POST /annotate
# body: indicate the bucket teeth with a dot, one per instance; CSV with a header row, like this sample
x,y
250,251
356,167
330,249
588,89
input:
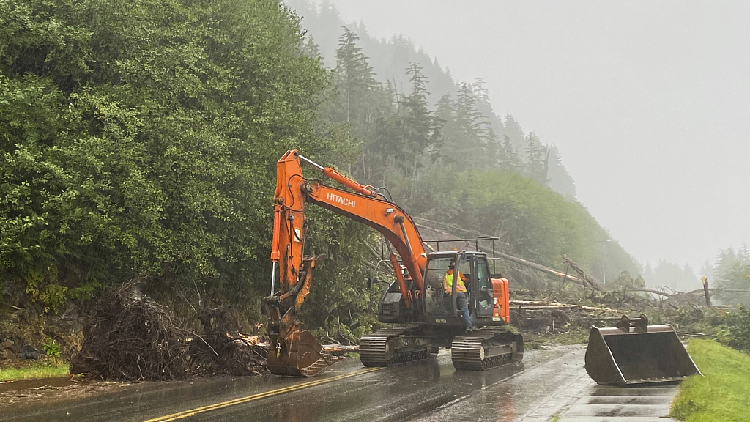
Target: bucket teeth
x,y
302,356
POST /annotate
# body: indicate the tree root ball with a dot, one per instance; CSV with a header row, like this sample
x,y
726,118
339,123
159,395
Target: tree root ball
x,y
131,337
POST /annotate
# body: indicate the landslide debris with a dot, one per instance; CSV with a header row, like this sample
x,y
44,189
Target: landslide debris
x,y
131,337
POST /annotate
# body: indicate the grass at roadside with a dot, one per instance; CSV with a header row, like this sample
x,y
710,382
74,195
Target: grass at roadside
x,y
722,393
34,371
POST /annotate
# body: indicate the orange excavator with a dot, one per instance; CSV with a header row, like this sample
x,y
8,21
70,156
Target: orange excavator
x,y
427,315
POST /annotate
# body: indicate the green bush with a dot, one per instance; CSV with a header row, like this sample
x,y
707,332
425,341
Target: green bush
x,y
52,349
736,330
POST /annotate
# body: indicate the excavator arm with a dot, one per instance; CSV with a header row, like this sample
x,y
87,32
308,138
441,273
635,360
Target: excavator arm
x,y
293,351
383,216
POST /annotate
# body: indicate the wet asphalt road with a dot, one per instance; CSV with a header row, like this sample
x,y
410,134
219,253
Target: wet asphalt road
x,y
634,403
545,382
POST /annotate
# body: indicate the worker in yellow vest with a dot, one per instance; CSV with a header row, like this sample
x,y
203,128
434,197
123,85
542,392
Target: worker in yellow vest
x,y
462,303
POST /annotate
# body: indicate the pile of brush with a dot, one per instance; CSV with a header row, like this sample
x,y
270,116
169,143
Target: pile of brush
x,y
131,337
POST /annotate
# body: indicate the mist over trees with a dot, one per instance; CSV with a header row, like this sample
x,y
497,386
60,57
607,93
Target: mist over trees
x,y
732,273
455,161
668,274
729,275
388,59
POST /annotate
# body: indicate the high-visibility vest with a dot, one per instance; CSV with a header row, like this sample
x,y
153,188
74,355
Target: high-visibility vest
x,y
448,282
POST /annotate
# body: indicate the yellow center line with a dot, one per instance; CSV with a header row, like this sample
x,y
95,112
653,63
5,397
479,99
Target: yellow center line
x,y
216,406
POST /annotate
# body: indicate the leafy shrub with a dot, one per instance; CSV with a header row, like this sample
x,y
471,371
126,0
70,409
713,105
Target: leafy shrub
x,y
52,349
736,331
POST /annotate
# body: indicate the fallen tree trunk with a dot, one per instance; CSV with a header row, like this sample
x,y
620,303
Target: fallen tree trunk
x,y
656,292
527,304
692,292
541,268
583,279
339,349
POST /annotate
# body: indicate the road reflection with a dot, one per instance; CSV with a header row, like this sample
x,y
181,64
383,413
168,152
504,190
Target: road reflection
x,y
430,390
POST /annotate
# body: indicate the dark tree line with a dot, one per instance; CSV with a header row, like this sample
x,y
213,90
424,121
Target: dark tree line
x,y
139,140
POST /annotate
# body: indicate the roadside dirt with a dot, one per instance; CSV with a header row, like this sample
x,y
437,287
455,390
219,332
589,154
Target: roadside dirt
x,y
24,393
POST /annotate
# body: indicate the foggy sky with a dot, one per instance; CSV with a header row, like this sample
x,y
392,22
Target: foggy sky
x,y
648,103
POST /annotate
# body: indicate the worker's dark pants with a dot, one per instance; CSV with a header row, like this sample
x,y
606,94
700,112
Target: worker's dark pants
x,y
463,305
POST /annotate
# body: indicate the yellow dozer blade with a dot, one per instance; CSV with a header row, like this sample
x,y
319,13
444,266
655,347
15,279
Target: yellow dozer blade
x,y
635,352
299,354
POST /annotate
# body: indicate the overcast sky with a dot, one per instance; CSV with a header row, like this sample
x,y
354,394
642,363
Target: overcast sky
x,y
648,103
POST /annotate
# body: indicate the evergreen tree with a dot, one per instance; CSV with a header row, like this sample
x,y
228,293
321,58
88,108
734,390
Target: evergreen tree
x,y
733,273
559,179
515,134
310,48
465,134
537,159
356,82
420,123
507,156
361,102
494,125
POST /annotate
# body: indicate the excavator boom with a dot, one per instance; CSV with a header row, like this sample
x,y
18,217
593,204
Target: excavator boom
x,y
293,351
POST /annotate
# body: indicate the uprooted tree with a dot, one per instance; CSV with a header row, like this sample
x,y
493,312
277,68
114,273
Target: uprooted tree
x,y
131,337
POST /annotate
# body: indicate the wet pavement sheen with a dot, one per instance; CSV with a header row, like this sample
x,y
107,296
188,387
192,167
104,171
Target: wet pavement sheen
x,y
638,403
548,383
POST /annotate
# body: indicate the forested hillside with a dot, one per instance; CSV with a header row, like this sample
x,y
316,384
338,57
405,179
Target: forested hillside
x,y
139,140
388,59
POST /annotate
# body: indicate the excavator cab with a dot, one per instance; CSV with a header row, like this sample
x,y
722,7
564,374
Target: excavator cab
x,y
490,343
438,302
440,305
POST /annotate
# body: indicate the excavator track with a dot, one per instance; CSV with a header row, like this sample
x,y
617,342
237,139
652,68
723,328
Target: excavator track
x,y
391,346
485,349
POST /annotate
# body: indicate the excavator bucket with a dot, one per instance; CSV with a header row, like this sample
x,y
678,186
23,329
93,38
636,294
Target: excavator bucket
x,y
299,355
635,352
